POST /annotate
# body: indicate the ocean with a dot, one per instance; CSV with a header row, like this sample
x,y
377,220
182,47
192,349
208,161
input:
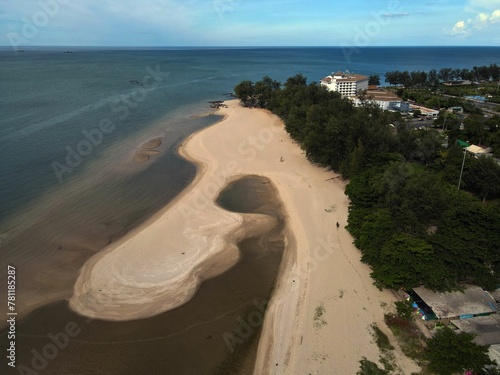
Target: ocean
x,y
72,120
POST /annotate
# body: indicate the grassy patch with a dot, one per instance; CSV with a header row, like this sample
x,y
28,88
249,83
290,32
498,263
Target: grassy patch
x,y
319,321
369,368
386,357
410,339
381,339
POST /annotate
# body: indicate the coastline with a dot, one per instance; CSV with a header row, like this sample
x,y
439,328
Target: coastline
x,y
107,287
51,236
147,272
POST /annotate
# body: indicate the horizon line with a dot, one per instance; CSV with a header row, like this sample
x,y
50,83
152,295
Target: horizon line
x,y
256,46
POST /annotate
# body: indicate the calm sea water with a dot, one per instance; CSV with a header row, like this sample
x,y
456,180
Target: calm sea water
x,y
48,99
70,124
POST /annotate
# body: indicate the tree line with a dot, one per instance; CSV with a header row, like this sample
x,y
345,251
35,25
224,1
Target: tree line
x,y
407,216
433,77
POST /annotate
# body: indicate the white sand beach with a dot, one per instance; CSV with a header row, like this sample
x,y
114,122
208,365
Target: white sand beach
x,y
318,320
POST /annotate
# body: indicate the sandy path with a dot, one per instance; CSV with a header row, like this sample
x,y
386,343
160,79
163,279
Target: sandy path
x,y
319,316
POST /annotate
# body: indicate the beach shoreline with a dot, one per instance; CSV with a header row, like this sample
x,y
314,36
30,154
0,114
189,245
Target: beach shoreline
x,y
97,275
147,272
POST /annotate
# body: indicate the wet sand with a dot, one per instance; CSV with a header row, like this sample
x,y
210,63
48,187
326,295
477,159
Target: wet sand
x,y
52,237
147,150
214,333
152,144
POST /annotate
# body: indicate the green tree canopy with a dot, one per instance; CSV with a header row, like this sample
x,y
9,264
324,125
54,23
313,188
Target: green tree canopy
x,y
406,215
374,80
407,261
483,177
449,353
245,91
265,90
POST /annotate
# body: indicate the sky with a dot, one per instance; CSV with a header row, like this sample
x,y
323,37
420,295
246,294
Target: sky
x,y
361,23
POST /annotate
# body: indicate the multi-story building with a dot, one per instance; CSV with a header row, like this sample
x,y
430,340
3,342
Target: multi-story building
x,y
347,84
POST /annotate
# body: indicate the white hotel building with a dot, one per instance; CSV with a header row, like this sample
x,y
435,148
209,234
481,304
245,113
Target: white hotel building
x,y
347,84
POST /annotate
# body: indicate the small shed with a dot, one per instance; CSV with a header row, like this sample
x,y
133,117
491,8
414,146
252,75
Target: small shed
x,y
456,110
477,150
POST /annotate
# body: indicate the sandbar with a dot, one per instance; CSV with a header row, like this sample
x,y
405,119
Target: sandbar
x,y
147,150
160,264
152,144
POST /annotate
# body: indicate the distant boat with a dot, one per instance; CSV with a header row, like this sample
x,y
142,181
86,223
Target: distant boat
x,y
68,51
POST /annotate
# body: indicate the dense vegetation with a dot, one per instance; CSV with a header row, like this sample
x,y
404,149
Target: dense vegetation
x,y
449,353
427,88
432,99
433,77
412,224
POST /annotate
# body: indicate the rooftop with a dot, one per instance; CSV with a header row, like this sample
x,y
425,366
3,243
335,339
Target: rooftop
x,y
344,77
473,149
472,301
487,328
382,96
496,294
494,352
424,110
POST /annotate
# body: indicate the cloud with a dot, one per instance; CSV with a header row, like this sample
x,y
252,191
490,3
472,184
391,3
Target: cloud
x,y
484,19
479,22
495,16
460,28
